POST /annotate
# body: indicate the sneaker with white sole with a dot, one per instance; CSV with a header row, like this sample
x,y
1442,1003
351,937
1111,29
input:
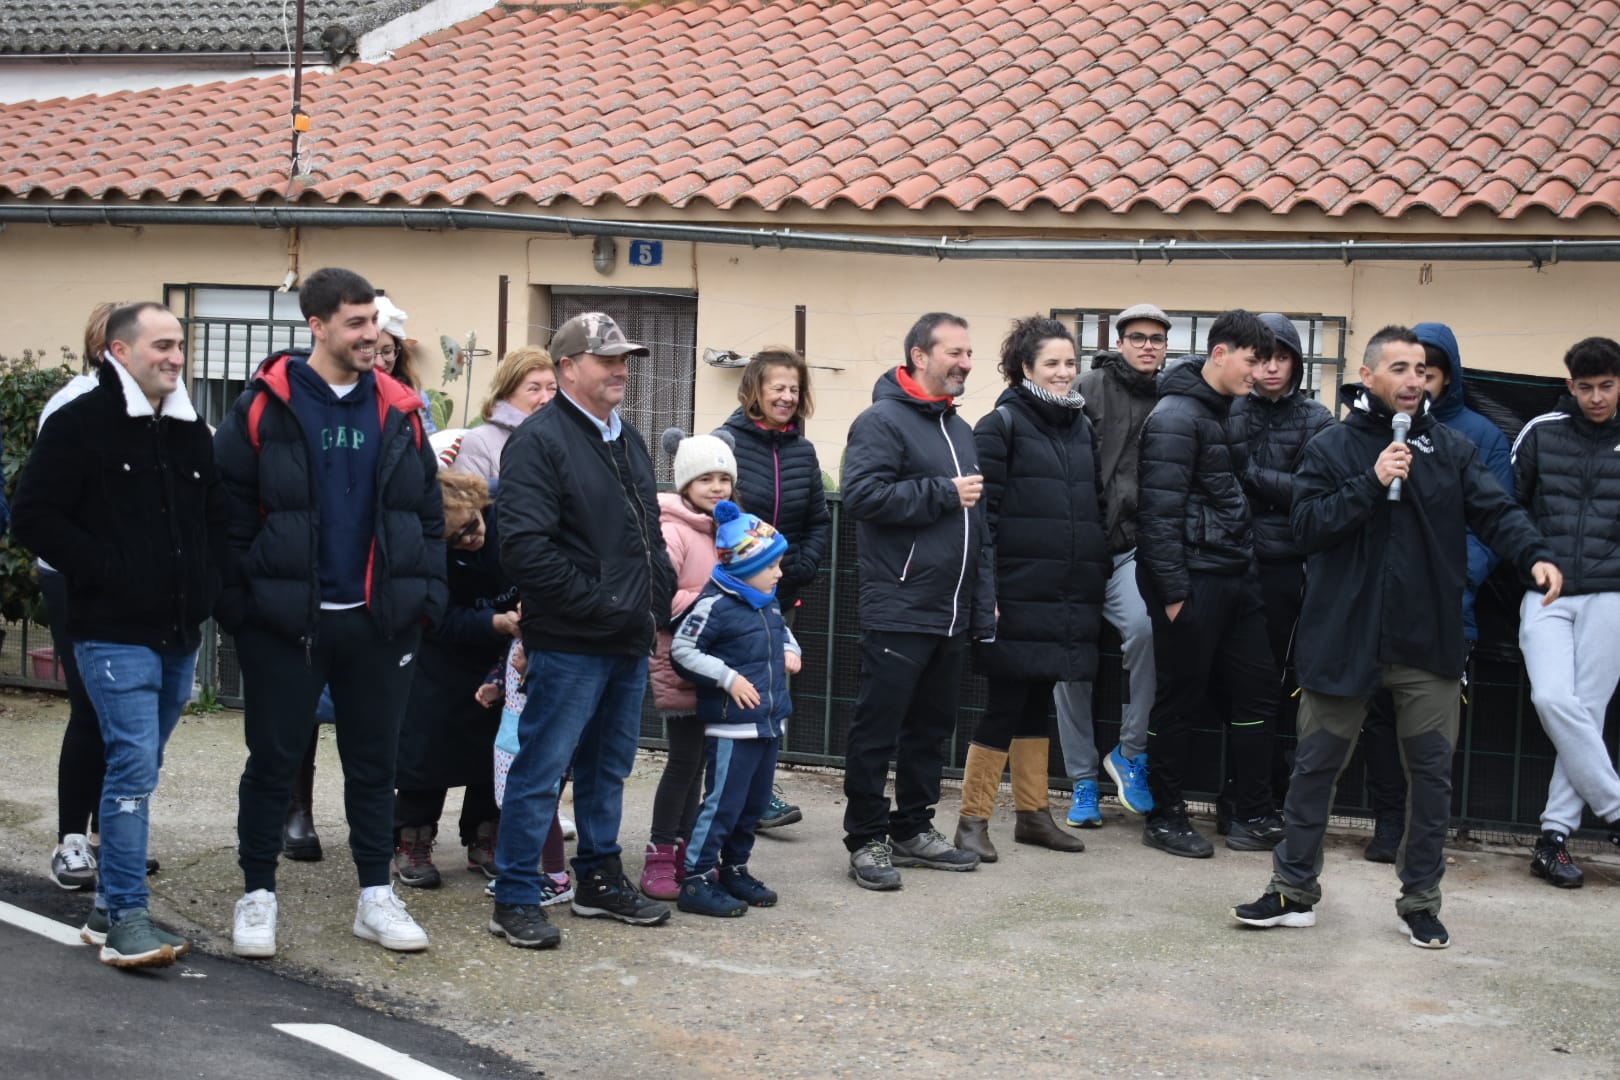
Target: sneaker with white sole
x,y
1425,930
96,925
930,848
383,919
253,931
72,866
132,942
1274,909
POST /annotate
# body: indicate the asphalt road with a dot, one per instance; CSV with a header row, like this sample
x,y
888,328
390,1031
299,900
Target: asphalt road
x,y
65,1014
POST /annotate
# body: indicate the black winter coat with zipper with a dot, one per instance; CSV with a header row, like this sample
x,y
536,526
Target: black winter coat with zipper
x,y
779,480
1566,472
1273,436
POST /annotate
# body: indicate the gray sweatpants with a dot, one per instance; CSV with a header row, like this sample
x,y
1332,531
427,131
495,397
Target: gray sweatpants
x,y
1125,611
1426,719
1571,651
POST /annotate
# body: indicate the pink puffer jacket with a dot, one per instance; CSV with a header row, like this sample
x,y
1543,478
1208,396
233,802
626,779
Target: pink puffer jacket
x,y
689,536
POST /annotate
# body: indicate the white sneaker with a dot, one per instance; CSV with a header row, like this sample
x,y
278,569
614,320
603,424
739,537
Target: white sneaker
x,y
72,865
567,823
385,921
254,932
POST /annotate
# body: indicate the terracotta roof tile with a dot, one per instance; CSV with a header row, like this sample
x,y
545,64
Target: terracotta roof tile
x,y
1337,104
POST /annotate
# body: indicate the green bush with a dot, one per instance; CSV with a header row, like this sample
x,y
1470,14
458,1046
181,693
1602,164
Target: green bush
x,y
25,387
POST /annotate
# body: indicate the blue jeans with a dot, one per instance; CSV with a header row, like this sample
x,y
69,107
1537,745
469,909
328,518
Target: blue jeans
x,y
138,694
581,709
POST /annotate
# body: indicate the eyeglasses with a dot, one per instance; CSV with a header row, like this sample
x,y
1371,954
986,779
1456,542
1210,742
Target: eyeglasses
x,y
469,532
1158,341
386,352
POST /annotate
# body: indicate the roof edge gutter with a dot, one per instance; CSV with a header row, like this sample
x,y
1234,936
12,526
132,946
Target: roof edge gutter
x,y
1535,252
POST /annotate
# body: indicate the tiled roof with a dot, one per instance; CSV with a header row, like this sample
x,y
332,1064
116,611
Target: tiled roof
x,y
1389,105
148,26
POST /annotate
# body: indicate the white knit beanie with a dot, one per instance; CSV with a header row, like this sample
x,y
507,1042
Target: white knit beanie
x,y
698,454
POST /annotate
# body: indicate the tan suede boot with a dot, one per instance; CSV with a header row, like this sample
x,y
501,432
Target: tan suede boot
x,y
981,776
1032,800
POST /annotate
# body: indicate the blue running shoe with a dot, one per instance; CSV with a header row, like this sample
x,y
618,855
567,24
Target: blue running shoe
x,y
1130,775
1083,812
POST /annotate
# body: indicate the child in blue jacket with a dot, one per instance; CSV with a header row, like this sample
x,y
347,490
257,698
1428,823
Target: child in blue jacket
x,y
736,649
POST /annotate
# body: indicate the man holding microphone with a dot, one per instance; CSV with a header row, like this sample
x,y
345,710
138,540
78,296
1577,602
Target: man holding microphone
x,y
1383,522
912,484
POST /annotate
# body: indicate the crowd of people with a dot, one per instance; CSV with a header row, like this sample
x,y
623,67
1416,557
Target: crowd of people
x,y
489,616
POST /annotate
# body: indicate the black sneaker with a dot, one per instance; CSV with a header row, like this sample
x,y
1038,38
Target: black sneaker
x,y
605,893
1425,930
872,868
1552,863
1261,834
1274,909
524,925
1386,838
737,881
1170,831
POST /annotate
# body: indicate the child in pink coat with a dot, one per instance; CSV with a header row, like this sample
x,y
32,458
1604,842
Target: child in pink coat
x,y
705,473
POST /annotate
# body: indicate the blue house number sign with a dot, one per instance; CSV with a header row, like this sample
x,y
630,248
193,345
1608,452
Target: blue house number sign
x,y
646,253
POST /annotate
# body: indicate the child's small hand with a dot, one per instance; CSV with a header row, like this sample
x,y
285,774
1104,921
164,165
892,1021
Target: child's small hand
x,y
488,694
791,662
744,694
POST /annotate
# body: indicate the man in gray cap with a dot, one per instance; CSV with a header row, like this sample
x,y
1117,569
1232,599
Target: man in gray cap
x,y
580,539
1120,389
1274,422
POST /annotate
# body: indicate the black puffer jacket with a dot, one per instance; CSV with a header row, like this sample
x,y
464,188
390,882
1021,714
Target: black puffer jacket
x,y
927,565
1118,400
1384,581
1274,434
273,579
1042,501
1567,472
779,480
580,535
1192,513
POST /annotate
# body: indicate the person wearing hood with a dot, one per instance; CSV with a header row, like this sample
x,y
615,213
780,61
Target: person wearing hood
x,y
1118,391
1383,583
336,536
1042,499
1568,474
1386,786
1275,420
912,484
1196,570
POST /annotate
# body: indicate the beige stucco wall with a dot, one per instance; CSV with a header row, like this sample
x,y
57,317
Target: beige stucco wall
x,y
1507,317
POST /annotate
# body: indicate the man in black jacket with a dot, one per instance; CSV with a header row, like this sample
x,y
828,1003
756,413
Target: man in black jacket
x,y
1383,591
1195,566
1275,421
337,544
1567,471
581,540
120,495
911,481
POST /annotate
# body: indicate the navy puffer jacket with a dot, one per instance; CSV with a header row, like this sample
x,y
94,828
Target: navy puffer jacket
x,y
779,480
1191,511
1042,497
1567,472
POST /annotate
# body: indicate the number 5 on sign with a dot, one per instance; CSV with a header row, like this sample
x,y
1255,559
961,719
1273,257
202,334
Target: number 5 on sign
x,y
646,253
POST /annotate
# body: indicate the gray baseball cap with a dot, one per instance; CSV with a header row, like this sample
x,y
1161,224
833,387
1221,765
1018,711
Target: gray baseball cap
x,y
1131,314
596,333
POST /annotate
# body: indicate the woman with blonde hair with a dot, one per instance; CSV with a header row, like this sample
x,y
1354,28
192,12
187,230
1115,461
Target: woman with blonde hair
x,y
525,380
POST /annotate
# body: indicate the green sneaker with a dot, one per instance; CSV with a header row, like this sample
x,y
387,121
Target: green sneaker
x,y
133,942
94,932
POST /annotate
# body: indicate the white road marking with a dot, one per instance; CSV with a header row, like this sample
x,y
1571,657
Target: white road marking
x,y
363,1051
61,933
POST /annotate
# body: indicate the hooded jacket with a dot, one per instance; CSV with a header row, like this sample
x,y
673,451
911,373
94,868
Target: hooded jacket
x,y
1274,434
125,502
725,636
1384,580
480,451
1192,514
927,565
1118,400
1567,471
779,481
1493,451
273,578
1042,498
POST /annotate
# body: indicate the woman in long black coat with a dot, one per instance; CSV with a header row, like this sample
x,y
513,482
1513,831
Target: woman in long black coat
x,y
447,738
1043,496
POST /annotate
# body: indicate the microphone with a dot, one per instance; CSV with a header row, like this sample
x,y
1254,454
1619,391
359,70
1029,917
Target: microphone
x,y
1401,425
